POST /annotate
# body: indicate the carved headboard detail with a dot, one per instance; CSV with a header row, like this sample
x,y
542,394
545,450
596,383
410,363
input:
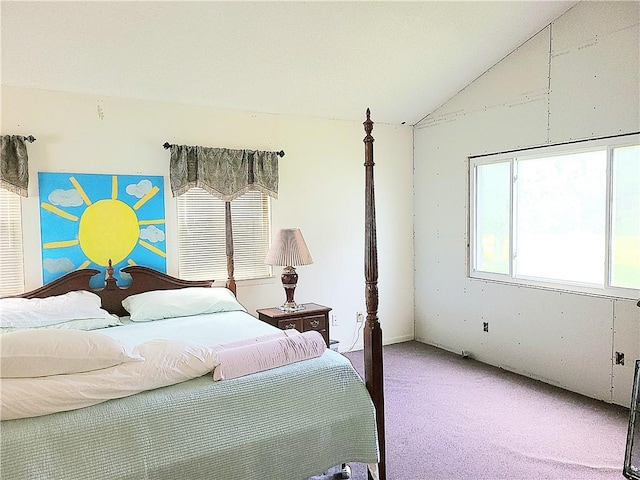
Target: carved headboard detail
x,y
144,279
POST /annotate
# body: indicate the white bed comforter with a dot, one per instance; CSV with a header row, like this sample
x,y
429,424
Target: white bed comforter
x,y
175,350
166,362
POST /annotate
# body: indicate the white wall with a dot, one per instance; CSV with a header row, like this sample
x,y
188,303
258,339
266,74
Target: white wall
x,y
321,188
576,79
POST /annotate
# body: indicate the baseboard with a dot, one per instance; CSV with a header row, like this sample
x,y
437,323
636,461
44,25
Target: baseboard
x,y
385,341
517,371
437,345
399,339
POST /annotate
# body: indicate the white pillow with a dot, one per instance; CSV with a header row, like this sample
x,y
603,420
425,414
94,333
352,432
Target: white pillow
x,y
183,302
80,324
41,353
40,312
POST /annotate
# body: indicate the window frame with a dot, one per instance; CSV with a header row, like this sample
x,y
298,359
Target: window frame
x,y
512,278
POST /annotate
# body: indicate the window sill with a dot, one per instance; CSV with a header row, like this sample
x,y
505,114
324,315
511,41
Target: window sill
x,y
256,281
608,293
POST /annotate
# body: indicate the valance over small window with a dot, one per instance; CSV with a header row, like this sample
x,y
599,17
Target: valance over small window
x,y
224,173
14,164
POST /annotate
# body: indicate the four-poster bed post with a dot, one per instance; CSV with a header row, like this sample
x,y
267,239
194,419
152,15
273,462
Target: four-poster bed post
x,y
373,364
231,282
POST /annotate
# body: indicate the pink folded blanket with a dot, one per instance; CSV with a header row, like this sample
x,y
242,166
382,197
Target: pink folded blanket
x,y
263,353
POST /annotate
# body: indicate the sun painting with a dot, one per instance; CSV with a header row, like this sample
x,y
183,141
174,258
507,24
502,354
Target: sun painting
x,y
88,219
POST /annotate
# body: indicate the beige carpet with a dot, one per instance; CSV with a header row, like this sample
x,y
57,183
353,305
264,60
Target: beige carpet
x,y
454,418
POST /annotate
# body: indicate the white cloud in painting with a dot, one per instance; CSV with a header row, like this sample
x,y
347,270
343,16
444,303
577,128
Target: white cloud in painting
x,y
139,189
58,265
152,233
65,198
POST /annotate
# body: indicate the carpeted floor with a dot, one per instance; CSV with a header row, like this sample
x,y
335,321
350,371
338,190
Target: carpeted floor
x,y
454,418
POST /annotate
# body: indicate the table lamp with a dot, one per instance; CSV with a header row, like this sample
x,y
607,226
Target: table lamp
x,y
289,250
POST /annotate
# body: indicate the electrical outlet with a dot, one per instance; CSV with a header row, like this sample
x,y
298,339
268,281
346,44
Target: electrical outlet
x,y
334,320
359,317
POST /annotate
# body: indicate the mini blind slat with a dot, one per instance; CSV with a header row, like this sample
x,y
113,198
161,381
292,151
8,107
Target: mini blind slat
x,y
201,236
11,259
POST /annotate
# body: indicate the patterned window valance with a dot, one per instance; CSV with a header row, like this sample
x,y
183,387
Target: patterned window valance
x,y
14,164
225,173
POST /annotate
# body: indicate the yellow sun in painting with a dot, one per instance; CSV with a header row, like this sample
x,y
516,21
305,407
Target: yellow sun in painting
x,y
109,223
108,229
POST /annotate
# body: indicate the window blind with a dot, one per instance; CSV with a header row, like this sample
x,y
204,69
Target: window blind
x,y
201,236
11,260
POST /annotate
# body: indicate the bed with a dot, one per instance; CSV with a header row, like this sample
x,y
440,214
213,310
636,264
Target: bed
x,y
293,416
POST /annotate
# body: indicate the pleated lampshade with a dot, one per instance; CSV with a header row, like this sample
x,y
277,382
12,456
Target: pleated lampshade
x,y
288,249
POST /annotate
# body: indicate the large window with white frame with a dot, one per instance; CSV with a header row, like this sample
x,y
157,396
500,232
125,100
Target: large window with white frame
x,y
11,259
565,217
201,236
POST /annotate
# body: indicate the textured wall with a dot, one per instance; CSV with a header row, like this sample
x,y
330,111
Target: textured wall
x,y
576,79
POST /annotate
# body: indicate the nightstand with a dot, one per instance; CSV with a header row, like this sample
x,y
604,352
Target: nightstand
x,y
311,317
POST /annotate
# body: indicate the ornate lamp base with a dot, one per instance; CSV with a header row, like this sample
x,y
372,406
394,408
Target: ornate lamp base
x,y
289,279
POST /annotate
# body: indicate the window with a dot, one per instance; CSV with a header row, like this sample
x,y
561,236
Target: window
x,y
11,263
559,216
201,236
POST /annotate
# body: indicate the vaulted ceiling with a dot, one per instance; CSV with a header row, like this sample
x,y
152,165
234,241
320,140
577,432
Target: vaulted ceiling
x,y
319,59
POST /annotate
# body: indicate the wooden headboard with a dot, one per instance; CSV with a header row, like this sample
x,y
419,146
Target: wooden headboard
x,y
144,279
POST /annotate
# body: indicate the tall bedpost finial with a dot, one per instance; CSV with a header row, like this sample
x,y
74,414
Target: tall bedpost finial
x,y
368,126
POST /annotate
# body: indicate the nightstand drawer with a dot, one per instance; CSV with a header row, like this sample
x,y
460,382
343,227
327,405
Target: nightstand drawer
x,y
288,323
317,322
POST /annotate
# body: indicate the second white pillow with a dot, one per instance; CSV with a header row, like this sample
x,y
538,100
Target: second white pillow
x,y
159,304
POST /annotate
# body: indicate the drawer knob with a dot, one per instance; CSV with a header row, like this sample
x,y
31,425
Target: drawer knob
x,y
314,323
290,325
